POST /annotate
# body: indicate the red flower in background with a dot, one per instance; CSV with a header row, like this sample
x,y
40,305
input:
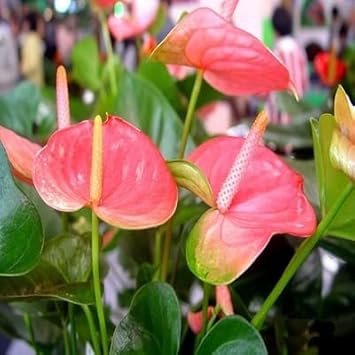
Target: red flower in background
x,y
232,60
329,68
256,196
104,4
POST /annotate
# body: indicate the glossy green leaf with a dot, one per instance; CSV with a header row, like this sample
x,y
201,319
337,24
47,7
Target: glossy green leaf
x,y
189,176
21,234
230,336
141,103
331,181
51,219
158,74
152,325
18,109
71,255
86,63
62,273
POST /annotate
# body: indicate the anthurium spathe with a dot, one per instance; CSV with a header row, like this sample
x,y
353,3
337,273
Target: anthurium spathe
x,y
20,152
111,167
134,20
256,196
232,60
342,148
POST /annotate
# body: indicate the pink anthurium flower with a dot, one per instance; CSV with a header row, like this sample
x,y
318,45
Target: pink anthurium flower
x,y
111,167
21,151
232,60
256,196
135,22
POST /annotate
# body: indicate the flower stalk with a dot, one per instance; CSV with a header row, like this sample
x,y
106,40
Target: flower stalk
x,y
299,257
190,113
109,50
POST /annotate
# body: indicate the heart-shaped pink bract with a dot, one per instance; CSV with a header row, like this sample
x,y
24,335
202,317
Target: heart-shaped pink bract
x,y
137,189
142,16
270,200
232,60
21,153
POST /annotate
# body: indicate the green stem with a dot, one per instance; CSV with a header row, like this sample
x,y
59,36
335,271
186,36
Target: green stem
x,y
73,342
185,134
190,113
166,251
95,245
92,329
65,339
109,50
206,295
28,323
299,257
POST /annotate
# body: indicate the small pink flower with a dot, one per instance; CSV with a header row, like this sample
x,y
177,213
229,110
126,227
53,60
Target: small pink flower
x,y
232,60
256,196
223,300
195,319
135,22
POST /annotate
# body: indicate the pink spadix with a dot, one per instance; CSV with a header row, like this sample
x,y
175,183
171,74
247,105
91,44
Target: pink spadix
x,y
231,183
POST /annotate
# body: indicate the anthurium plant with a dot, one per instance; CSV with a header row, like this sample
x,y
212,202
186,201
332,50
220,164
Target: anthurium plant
x,y
124,230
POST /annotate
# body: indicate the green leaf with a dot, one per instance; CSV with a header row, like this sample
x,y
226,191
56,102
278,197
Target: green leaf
x,y
86,63
21,234
145,274
331,181
51,220
230,336
189,176
152,325
158,74
71,255
44,282
18,109
61,274
141,103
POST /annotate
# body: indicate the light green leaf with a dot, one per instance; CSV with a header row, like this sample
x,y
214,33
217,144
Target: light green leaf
x,y
86,63
331,181
189,176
